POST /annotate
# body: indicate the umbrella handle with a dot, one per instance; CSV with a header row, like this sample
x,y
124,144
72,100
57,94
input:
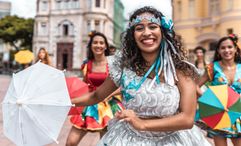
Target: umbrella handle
x,y
226,109
19,102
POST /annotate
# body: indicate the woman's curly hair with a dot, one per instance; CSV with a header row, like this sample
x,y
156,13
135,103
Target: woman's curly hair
x,y
132,57
234,39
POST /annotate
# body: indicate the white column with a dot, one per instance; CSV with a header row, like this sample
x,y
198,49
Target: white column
x,y
92,24
102,26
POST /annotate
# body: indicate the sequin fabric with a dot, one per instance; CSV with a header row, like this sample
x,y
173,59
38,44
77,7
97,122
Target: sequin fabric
x,y
162,100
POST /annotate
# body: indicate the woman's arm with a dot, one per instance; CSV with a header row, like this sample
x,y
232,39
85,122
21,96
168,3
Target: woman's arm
x,y
100,94
182,120
201,81
116,92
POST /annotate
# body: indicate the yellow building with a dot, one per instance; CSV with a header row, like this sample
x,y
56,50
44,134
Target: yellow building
x,y
203,22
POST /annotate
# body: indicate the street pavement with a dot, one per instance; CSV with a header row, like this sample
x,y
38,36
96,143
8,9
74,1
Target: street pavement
x,y
89,140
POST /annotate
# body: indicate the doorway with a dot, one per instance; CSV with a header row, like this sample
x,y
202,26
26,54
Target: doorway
x,y
64,56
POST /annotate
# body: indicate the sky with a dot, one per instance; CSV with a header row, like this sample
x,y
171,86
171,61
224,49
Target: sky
x,y
162,5
27,8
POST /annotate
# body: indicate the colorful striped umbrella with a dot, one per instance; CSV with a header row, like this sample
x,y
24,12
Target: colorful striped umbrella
x,y
219,107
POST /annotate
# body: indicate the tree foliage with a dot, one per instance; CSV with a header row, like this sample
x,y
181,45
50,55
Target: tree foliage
x,y
17,31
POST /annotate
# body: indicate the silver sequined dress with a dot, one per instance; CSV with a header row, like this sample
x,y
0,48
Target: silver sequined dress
x,y
161,100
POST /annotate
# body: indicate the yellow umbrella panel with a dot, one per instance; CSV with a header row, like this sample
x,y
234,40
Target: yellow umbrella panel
x,y
24,56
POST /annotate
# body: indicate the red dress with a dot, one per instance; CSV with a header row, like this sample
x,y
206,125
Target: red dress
x,y
96,117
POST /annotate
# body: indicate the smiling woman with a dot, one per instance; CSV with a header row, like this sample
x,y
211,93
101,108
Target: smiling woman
x,y
147,35
95,71
225,70
157,86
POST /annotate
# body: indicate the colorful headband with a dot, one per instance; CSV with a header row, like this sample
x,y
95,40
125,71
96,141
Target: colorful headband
x,y
165,23
150,18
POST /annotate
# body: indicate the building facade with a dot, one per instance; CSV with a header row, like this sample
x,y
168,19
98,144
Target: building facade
x,y
62,27
203,22
119,20
5,10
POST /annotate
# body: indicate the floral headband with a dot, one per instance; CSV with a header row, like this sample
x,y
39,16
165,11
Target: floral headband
x,y
165,23
233,37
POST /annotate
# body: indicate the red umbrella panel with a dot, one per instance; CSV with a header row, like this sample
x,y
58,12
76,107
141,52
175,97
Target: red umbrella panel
x,y
219,107
76,88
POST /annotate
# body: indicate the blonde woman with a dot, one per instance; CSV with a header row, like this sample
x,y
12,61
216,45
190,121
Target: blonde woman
x,y
43,56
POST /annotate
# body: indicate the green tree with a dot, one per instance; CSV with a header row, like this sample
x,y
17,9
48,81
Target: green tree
x,y
17,31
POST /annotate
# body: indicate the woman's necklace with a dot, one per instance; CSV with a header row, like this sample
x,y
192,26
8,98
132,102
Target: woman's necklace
x,y
229,72
229,68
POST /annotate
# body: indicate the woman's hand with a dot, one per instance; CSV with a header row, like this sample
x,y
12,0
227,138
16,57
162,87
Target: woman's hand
x,y
131,117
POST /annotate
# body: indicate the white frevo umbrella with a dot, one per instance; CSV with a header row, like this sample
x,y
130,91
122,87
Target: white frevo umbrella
x,y
35,106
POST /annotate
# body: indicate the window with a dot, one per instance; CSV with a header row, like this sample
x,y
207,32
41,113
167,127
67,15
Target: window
x,y
179,9
97,25
4,13
71,29
230,4
89,3
230,31
75,4
97,3
44,6
214,7
65,29
65,4
191,8
58,4
68,4
44,28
